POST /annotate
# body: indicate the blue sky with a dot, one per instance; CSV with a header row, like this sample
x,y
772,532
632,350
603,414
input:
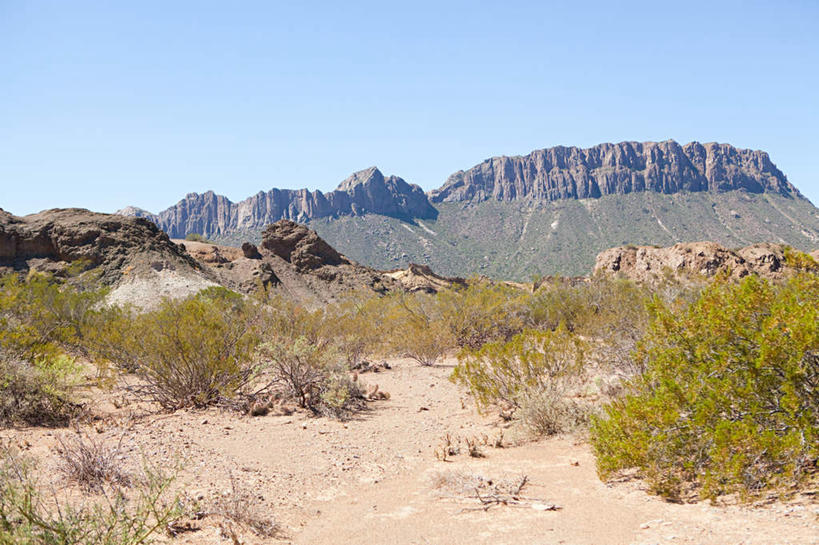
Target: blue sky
x,y
106,104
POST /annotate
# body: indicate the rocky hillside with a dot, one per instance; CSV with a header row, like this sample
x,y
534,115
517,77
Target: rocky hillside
x,y
616,169
518,239
365,192
142,265
549,212
647,263
131,255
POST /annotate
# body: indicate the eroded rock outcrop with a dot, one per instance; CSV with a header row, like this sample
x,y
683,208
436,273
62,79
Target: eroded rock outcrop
x,y
66,236
421,278
300,246
294,260
611,169
647,263
131,255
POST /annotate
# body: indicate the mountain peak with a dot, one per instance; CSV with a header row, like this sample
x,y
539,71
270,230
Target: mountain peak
x,y
361,177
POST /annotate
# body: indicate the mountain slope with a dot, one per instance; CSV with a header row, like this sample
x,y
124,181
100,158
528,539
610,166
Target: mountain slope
x,y
548,212
514,240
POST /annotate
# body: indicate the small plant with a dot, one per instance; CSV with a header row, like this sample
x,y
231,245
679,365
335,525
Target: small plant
x,y
239,510
27,516
92,464
448,447
480,313
37,393
473,447
547,411
312,375
417,329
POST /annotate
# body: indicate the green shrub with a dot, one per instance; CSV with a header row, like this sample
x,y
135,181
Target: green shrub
x,y
600,306
357,326
509,373
196,237
310,373
415,327
800,261
40,319
728,402
548,410
38,392
191,352
482,312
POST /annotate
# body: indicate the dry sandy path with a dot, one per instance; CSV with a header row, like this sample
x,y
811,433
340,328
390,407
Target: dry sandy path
x,y
372,480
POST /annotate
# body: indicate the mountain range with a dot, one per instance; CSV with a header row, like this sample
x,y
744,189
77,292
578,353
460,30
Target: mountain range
x,y
547,212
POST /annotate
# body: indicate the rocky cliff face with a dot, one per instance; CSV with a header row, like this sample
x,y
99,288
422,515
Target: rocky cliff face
x,y
616,169
367,191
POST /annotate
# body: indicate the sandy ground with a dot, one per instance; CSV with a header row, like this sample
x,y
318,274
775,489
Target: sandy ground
x,y
375,479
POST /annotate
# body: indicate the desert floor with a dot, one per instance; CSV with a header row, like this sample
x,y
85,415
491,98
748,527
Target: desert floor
x,y
376,478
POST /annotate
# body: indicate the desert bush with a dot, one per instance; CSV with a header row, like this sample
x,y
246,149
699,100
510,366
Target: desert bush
x,y
27,516
310,373
800,261
41,320
597,307
728,402
357,326
481,312
191,352
549,410
510,374
41,317
37,392
415,327
196,237
91,463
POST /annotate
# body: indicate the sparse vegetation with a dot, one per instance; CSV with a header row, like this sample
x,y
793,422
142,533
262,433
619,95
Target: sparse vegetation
x,y
41,321
240,512
709,390
28,516
196,237
91,463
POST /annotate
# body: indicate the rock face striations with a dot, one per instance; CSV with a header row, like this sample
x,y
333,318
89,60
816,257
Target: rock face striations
x,y
365,192
616,169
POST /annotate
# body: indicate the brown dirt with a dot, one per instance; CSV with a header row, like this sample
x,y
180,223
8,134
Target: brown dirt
x,y
375,479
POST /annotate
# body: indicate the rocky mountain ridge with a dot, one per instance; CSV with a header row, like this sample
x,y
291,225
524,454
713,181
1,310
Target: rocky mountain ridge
x,y
614,169
364,192
549,212
546,175
140,264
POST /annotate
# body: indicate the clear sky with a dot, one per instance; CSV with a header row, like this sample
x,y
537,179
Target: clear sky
x,y
107,104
